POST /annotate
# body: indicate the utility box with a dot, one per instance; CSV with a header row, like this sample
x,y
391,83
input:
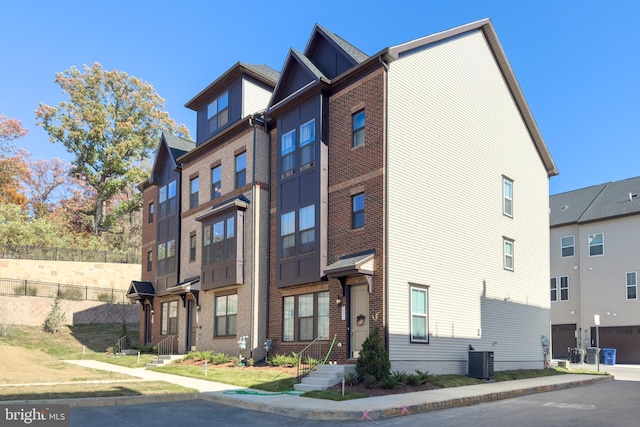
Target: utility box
x,y
481,364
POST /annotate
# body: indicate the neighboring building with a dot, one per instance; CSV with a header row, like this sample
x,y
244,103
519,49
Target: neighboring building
x,y
409,193
595,259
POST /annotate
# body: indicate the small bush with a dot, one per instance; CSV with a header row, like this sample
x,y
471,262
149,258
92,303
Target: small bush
x,y
370,381
374,360
283,360
235,361
71,293
350,379
400,377
218,358
104,296
418,378
388,383
55,319
251,362
31,291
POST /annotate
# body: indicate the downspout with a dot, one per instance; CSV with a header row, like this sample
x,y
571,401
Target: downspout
x,y
254,341
386,203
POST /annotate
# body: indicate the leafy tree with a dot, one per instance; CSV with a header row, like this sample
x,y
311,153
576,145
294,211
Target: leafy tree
x,y
10,129
55,319
373,361
13,170
110,124
44,180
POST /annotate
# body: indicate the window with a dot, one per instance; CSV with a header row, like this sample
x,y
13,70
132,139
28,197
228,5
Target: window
x,y
357,211
288,153
596,244
306,317
149,260
564,288
563,295
226,313
192,248
219,243
307,145
216,182
419,320
194,185
358,128
218,112
632,285
507,206
167,200
151,213
307,229
166,258
288,234
169,318
568,246
241,170
508,254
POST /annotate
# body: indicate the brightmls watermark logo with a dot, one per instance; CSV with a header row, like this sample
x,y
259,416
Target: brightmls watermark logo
x,y
36,415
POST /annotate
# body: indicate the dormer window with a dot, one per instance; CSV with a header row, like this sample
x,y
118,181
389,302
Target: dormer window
x,y
218,112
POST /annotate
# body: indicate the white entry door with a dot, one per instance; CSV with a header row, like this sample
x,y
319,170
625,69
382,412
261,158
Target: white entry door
x,y
359,313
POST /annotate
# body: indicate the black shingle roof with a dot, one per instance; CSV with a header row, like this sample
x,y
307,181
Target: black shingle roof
x,y
618,198
178,146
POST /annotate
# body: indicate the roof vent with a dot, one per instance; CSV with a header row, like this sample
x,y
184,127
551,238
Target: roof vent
x,y
633,196
564,208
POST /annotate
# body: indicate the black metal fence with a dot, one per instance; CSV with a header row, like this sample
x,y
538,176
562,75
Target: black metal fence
x,y
65,254
17,287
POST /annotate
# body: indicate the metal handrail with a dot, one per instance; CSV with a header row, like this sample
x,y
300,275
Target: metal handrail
x,y
165,347
311,356
122,344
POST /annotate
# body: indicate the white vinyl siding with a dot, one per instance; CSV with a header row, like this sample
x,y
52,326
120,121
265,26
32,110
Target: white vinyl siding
x,y
254,97
466,113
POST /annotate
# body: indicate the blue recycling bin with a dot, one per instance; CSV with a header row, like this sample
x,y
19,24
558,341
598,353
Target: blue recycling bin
x,y
609,356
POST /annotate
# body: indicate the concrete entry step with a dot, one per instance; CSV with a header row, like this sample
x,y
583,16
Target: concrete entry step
x,y
324,376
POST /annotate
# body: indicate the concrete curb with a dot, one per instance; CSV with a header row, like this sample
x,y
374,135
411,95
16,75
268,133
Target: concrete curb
x,y
349,414
88,402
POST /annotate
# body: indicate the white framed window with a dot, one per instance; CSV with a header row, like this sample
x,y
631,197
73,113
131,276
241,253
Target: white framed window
x,y
507,193
169,318
307,144
508,254
596,244
218,112
305,317
564,288
419,314
568,248
226,314
554,289
632,285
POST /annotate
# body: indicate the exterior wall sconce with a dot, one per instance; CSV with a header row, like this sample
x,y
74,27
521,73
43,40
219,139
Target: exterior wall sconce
x,y
573,312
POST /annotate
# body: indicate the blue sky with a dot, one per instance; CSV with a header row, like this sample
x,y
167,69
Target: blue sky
x,y
578,63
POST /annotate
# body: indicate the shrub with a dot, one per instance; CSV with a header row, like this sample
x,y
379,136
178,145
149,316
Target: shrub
x,y
388,383
373,360
55,319
31,291
71,293
235,361
283,360
250,361
350,379
218,358
370,381
418,378
104,296
400,377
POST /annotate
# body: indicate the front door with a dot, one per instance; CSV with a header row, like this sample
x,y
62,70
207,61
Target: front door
x,y
359,315
191,325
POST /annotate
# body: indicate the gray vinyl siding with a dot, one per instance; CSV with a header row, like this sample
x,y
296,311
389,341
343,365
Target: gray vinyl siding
x,y
255,97
454,132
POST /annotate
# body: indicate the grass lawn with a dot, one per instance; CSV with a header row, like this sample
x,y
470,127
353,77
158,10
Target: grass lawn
x,y
259,379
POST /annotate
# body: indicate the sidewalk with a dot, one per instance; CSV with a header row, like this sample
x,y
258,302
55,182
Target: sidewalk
x,y
371,408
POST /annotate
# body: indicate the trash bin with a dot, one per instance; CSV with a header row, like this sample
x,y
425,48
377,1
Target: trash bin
x,y
574,355
591,355
609,356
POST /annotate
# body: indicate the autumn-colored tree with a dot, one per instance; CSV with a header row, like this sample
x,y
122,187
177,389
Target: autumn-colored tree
x,y
110,124
44,180
13,170
10,129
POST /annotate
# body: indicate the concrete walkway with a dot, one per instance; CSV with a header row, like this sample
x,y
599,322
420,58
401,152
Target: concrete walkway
x,y
292,405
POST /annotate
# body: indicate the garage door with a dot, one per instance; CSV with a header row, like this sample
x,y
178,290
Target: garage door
x,y
625,339
562,336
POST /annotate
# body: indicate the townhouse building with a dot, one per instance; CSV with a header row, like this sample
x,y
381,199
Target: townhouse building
x,y
595,248
405,191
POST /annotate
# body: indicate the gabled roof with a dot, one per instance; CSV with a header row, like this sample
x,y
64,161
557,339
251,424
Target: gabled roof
x,y
350,265
357,56
261,73
486,27
178,146
140,290
599,202
296,62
